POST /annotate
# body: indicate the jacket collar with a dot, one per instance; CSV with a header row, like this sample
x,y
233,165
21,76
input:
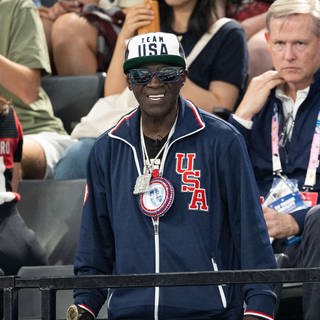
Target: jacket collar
x,y
189,122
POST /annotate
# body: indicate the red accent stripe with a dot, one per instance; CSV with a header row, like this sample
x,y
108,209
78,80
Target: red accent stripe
x,y
260,314
83,306
122,120
196,114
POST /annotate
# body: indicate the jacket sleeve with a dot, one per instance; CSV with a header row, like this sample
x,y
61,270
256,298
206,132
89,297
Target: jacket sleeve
x,y
300,215
95,253
244,131
248,227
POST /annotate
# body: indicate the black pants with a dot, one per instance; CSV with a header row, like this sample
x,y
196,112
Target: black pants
x,y
18,243
306,254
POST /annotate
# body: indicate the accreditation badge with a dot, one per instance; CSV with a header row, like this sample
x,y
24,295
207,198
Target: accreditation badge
x,y
158,199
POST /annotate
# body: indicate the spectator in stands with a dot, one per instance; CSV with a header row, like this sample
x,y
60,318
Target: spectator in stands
x,y
81,34
68,33
252,15
216,78
18,244
218,75
279,117
188,228
23,60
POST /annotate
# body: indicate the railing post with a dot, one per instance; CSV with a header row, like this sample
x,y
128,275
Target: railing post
x,y
10,303
48,304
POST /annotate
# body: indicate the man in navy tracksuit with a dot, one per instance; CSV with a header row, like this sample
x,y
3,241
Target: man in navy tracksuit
x,y
280,119
170,189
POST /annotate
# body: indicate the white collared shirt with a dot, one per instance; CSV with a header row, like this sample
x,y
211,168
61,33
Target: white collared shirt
x,y
289,107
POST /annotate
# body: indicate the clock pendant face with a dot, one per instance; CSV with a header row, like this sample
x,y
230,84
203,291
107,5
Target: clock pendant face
x,y
72,313
158,199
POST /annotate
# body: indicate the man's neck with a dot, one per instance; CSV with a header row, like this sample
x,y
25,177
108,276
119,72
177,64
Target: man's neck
x,y
291,89
157,129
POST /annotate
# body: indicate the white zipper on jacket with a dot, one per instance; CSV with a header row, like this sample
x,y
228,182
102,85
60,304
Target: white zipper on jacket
x,y
109,300
156,221
157,265
222,295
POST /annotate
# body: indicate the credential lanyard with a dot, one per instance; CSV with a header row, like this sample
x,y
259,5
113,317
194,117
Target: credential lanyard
x,y
310,179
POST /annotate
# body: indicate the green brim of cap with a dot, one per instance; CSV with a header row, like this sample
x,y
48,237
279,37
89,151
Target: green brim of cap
x,y
165,59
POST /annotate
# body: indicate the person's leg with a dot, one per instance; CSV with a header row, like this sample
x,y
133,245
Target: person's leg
x,y
41,152
19,245
310,258
33,165
259,57
73,164
74,45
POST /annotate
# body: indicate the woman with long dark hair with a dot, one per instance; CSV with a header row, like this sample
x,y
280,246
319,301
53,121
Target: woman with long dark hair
x,y
218,75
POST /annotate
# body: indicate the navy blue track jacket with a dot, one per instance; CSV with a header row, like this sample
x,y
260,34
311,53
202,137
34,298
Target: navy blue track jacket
x,y
215,221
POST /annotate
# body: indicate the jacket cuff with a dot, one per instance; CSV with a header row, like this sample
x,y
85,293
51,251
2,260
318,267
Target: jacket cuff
x,y
83,306
258,315
242,129
299,216
262,306
91,303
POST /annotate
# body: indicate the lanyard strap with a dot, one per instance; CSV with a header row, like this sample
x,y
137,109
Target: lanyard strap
x,y
311,175
276,163
310,179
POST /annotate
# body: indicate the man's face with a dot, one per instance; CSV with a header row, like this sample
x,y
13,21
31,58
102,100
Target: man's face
x,y
294,48
157,97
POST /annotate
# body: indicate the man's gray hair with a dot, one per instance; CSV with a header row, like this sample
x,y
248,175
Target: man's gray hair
x,y
285,8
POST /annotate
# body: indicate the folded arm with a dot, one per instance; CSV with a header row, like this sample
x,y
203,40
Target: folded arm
x,y
20,80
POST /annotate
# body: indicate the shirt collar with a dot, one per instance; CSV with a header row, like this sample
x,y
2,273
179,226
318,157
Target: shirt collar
x,y
290,106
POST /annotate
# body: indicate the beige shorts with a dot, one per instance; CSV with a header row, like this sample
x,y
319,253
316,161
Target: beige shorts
x,y
54,146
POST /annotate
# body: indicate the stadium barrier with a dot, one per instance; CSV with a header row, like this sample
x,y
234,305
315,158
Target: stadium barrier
x,y
48,286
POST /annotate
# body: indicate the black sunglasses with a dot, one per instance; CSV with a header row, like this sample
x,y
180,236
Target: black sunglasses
x,y
164,74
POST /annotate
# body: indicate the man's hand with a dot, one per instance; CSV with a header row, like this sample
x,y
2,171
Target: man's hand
x,y
280,225
257,94
136,17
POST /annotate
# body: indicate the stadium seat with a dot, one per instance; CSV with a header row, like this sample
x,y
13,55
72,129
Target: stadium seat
x,y
289,305
30,299
52,209
72,97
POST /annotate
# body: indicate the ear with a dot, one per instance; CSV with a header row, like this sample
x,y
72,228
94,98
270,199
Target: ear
x,y
129,83
268,40
184,77
185,74
267,36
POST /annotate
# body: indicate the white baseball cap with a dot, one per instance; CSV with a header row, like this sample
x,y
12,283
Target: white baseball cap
x,y
154,47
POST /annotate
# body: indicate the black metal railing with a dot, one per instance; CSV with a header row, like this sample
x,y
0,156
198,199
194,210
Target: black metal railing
x,y
48,286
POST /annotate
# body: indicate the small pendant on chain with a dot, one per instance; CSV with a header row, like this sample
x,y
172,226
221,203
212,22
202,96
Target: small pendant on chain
x,y
142,184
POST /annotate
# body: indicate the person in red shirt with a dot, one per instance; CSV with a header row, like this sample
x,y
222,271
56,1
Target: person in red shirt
x,y
18,244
